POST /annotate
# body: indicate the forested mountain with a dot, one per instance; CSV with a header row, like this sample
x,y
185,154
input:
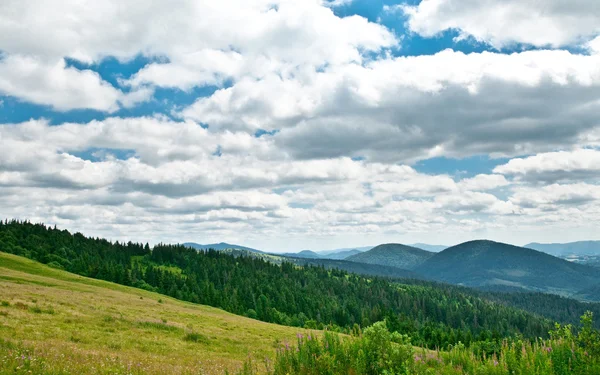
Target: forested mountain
x,y
488,263
344,249
285,294
364,269
393,254
309,254
344,254
302,254
570,248
220,246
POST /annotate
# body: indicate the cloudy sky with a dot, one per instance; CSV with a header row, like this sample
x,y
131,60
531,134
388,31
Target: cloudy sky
x,y
294,124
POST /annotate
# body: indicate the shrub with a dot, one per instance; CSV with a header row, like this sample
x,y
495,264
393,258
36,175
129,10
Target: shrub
x,y
195,337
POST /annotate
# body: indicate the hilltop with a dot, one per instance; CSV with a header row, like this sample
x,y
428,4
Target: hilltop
x,y
394,255
485,263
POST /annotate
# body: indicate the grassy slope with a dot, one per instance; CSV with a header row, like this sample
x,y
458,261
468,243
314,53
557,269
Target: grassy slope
x,y
76,324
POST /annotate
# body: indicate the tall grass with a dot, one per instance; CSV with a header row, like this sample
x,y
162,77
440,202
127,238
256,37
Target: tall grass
x,y
377,351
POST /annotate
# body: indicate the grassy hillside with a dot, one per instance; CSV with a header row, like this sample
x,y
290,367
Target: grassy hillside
x,y
394,255
488,263
76,325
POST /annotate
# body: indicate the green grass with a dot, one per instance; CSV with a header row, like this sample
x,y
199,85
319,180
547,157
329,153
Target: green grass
x,y
54,322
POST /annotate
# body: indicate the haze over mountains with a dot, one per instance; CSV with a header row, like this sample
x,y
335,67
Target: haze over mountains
x,y
480,264
220,246
566,249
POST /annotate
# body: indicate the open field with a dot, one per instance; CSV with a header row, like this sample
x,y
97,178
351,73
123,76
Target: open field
x,y
54,322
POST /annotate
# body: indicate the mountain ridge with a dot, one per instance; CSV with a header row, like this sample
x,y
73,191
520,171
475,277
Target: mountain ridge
x,y
567,248
221,246
484,263
393,254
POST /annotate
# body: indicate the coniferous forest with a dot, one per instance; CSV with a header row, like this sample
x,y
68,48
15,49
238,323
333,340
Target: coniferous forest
x,y
310,297
386,321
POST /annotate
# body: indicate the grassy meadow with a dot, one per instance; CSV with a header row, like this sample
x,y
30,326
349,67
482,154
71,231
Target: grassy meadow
x,y
54,322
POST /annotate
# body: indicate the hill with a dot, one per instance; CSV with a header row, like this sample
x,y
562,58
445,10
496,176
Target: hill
x,y
394,255
344,254
309,254
287,294
364,269
486,263
333,251
73,324
220,246
570,248
302,254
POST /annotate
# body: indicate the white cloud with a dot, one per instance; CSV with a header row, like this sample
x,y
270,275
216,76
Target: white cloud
x,y
56,85
332,89
576,165
504,22
410,108
483,182
550,196
204,44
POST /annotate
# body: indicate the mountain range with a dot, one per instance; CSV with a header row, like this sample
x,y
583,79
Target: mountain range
x,y
481,264
221,246
565,249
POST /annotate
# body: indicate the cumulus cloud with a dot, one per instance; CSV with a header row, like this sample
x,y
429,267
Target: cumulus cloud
x,y
54,84
577,165
345,121
237,39
410,108
499,22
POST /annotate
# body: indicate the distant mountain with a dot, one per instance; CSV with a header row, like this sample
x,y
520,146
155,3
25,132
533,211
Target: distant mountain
x,y
491,265
393,254
309,254
220,246
589,294
570,248
302,254
344,249
357,268
354,267
344,254
432,248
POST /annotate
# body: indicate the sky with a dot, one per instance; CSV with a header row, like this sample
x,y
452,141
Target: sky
x,y
303,124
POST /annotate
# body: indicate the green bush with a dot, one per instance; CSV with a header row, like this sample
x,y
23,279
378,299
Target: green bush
x,y
195,337
377,351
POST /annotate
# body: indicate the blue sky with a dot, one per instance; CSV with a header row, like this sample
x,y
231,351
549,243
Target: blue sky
x,y
286,125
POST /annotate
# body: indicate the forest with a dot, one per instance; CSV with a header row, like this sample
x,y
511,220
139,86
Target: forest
x,y
434,316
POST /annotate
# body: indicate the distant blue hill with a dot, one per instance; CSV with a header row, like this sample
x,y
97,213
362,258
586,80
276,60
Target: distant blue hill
x,y
359,249
570,248
302,254
220,246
